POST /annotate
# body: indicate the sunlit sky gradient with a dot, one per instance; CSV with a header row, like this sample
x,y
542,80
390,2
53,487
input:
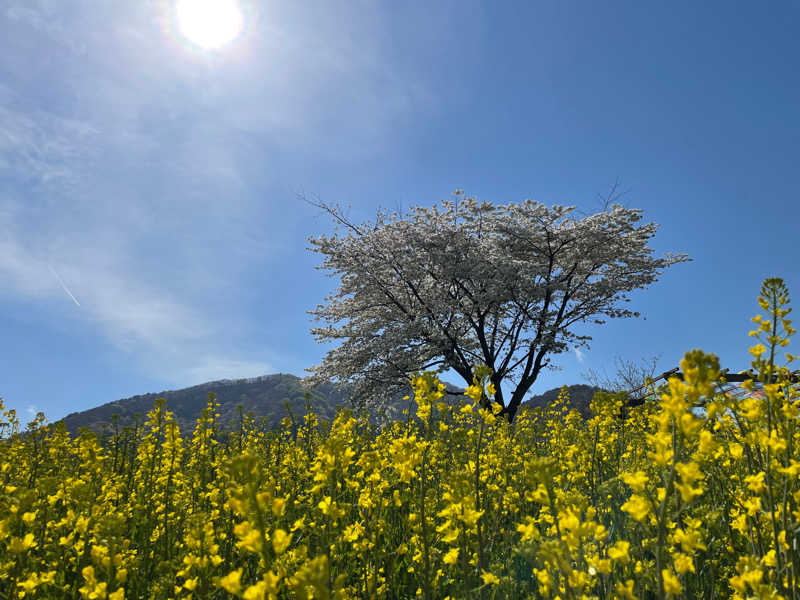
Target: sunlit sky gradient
x,y
158,182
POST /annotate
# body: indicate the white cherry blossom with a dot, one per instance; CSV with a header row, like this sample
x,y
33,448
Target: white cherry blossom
x,y
467,283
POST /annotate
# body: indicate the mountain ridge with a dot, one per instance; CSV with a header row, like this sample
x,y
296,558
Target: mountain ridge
x,y
265,397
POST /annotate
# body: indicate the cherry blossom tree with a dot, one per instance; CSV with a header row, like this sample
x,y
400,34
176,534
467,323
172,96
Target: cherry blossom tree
x,y
469,283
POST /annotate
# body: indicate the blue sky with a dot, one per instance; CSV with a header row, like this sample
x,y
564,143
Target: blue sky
x,y
158,182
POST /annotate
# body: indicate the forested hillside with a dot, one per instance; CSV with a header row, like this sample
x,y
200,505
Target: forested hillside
x,y
265,398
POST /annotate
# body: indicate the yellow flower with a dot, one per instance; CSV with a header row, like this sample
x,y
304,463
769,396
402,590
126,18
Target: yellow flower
x,y
753,505
528,529
625,590
272,579
736,450
637,506
191,584
688,492
117,595
278,506
475,392
619,551
683,563
750,576
776,444
689,472
451,557
598,565
30,584
325,505
661,453
489,578
470,516
256,591
756,482
280,540
353,532
671,583
232,582
637,481
249,537
706,444
450,532
487,416
544,580
689,539
769,558
20,545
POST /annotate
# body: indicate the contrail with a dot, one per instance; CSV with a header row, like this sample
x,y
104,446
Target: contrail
x,y
63,285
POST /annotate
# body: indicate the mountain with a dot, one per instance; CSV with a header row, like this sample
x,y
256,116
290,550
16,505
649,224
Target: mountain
x,y
265,397
580,395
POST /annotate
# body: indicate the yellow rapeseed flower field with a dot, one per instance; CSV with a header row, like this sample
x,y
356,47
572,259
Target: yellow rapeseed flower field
x,y
670,501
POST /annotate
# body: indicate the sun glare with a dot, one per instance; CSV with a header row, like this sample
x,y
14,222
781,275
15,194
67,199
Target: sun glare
x,y
209,23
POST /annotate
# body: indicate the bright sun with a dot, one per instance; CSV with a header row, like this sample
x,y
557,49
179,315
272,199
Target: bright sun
x,y
209,23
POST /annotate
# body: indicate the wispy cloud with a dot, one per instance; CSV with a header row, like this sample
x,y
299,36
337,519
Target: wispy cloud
x,y
84,200
135,176
41,148
166,334
579,355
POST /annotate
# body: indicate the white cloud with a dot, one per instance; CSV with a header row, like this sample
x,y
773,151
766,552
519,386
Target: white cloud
x,y
69,231
134,316
41,148
579,355
130,168
165,334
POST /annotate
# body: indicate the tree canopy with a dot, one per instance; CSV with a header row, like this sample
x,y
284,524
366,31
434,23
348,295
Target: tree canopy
x,y
469,283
